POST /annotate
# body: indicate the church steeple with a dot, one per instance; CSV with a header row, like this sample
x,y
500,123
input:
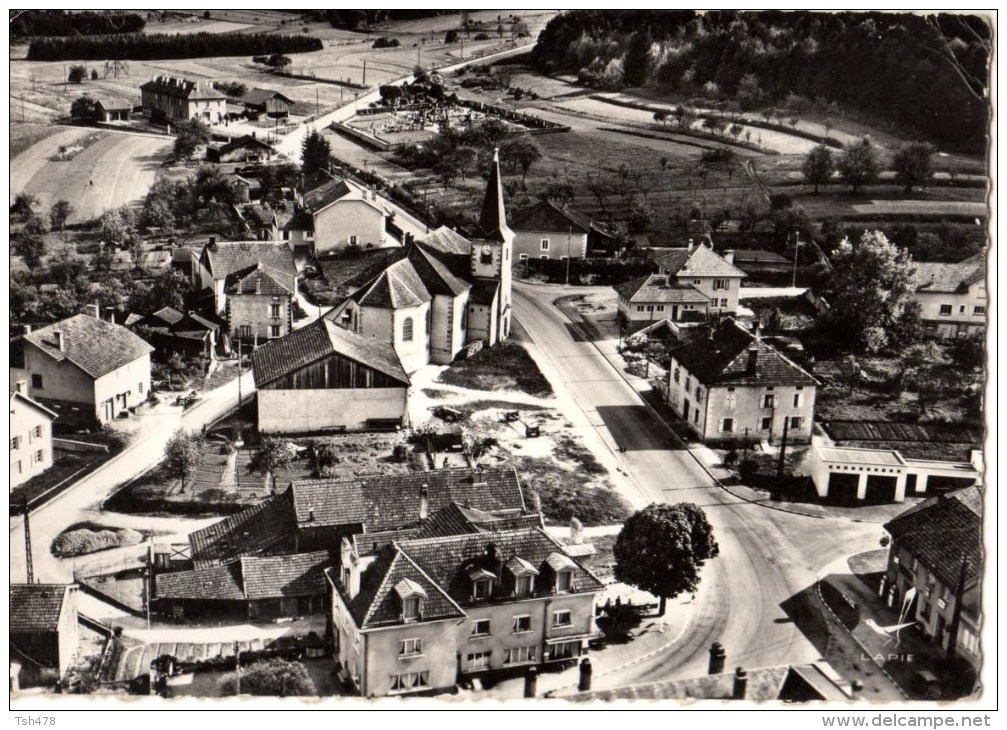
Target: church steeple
x,y
493,217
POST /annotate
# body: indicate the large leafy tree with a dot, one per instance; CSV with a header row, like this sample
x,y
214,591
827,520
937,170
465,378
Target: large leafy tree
x,y
523,151
59,213
31,248
24,205
913,163
270,678
859,164
84,107
662,548
271,455
636,66
182,455
818,166
315,151
191,135
871,293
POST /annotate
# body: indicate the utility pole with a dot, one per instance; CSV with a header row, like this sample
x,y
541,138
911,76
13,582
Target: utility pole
x,y
569,235
237,667
783,451
150,580
316,101
364,81
239,373
29,570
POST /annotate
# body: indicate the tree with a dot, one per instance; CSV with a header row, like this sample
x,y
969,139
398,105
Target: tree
x,y
524,151
24,205
662,548
85,108
116,226
182,455
31,248
859,164
94,74
871,290
451,36
59,213
137,251
636,66
279,61
913,163
969,353
191,135
36,225
818,166
271,455
661,116
77,74
270,678
170,288
315,152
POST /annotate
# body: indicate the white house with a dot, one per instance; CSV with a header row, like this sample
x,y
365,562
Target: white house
x,y
30,436
953,296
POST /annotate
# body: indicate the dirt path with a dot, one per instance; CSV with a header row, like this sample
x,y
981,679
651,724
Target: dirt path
x,y
27,164
112,172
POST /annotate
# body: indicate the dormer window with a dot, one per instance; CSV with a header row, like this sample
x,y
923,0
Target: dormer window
x,y
482,583
524,576
562,567
411,597
564,580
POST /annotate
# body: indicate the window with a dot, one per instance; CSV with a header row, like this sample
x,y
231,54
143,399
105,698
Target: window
x,y
523,585
353,240
521,624
688,384
430,317
969,640
274,331
723,302
38,456
561,618
522,257
768,400
730,400
945,310
650,307
37,432
15,443
564,579
660,307
795,421
719,284
286,235
478,660
245,331
274,309
309,235
407,329
411,647
481,627
979,311
409,681
139,387
36,380
544,245
482,588
411,608
639,307
699,392
677,374
544,256
520,655
566,650
697,282
727,425
695,418
797,400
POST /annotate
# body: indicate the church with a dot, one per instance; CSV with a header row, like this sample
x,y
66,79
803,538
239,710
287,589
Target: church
x,y
431,299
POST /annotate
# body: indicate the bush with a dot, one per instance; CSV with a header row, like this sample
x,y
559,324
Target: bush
x,y
617,621
84,541
271,678
385,42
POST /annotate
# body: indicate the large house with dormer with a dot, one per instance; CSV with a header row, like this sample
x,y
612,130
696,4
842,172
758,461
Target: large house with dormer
x,y
952,297
691,283
733,384
171,98
430,299
334,214
416,615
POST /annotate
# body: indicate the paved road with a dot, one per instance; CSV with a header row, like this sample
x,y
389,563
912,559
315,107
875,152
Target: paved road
x,y
750,596
53,517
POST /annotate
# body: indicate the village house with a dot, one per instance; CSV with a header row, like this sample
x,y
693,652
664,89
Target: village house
x,y
111,108
260,305
691,283
935,564
171,331
952,297
266,101
87,370
848,475
549,230
323,378
172,99
44,635
337,214
421,614
733,385
247,148
30,436
249,589
222,263
316,514
434,298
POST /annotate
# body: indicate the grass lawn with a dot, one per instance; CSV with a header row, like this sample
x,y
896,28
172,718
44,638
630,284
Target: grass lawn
x,y
566,492
504,367
23,136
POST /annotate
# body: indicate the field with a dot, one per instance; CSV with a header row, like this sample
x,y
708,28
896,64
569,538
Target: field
x,y
114,171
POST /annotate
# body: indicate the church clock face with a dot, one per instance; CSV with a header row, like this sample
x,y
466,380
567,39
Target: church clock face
x,y
487,251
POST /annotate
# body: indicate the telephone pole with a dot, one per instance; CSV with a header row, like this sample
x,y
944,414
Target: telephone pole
x,y
797,247
29,570
569,235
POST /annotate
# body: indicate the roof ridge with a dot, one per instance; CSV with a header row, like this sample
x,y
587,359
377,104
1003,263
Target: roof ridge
x,y
426,575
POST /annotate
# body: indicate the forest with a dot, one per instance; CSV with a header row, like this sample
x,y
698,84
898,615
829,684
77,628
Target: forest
x,y
150,46
355,19
62,23
924,75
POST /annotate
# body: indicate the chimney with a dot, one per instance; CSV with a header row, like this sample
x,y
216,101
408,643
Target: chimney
x,y
21,387
576,531
213,242
27,328
691,244
94,310
729,256
536,502
424,503
311,514
856,689
349,566
757,329
58,337
477,478
740,688
753,360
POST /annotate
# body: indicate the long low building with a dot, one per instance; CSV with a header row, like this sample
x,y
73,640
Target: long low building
x,y
848,475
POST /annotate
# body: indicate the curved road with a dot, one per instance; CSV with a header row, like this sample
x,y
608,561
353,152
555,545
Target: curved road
x,y
751,595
